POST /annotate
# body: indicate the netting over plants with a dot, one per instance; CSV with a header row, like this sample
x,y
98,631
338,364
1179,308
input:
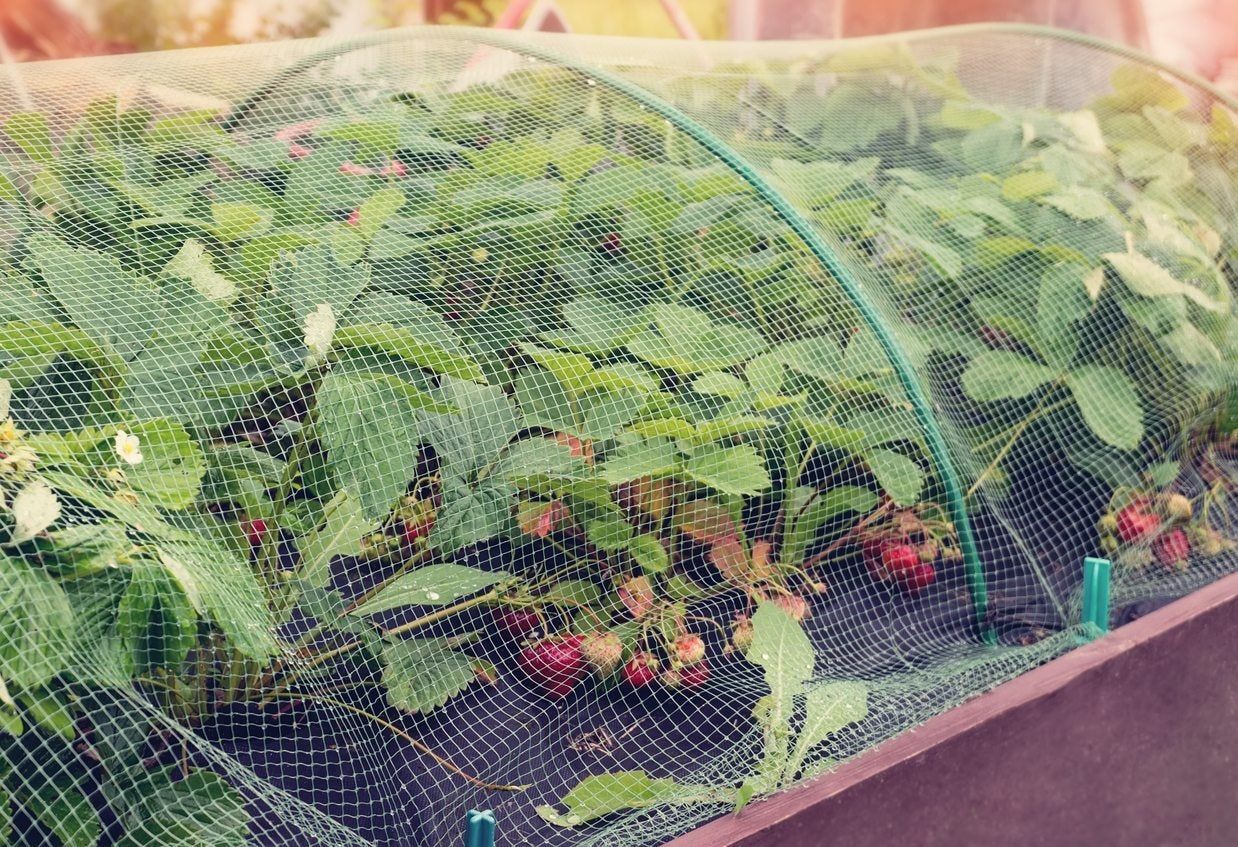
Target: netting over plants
x,y
604,432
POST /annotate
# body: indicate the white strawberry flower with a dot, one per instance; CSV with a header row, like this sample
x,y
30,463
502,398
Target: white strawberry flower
x,y
128,447
35,508
319,330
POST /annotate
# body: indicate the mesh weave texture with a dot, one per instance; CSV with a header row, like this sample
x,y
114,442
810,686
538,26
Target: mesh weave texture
x,y
603,432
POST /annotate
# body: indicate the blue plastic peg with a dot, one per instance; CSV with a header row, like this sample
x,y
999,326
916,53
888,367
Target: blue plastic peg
x,y
1096,573
480,831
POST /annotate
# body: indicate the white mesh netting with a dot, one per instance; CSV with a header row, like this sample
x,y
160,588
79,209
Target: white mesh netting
x,y
604,432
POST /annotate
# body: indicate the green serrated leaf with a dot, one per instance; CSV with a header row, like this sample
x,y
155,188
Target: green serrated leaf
x,y
343,526
1004,375
172,465
731,470
64,810
201,810
36,624
1145,277
423,674
30,132
371,433
647,551
598,796
1110,405
635,459
900,477
609,532
225,588
432,585
104,299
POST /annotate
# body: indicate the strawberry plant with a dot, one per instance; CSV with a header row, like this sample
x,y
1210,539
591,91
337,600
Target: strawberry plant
x,y
799,718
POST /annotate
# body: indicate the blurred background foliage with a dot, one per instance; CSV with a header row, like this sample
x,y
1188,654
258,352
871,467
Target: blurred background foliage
x,y
1199,35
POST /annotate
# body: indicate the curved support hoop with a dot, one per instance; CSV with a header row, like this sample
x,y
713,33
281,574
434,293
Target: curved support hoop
x,y
854,290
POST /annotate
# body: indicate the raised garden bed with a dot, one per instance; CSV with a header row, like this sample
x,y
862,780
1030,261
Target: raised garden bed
x,y
1123,741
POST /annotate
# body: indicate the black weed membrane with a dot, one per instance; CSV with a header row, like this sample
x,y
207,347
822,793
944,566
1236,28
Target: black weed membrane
x,y
606,433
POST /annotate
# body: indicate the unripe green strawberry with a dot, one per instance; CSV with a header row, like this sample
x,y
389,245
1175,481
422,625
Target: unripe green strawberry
x,y
604,651
1209,542
1178,507
741,633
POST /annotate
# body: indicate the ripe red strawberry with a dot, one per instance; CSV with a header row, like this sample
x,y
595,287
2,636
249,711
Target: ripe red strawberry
x,y
688,649
1134,524
555,664
917,578
900,559
694,676
255,530
414,530
517,622
604,651
1172,549
872,549
641,670
611,244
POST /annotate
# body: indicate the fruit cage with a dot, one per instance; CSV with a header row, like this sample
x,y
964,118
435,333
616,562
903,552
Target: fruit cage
x,y
606,433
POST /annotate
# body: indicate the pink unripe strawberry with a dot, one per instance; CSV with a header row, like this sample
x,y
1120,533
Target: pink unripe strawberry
x,y
353,169
641,670
354,217
604,651
793,605
517,622
1172,549
298,151
394,168
1134,524
295,131
688,649
556,665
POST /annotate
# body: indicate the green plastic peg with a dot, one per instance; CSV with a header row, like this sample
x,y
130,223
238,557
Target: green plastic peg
x,y
1096,573
480,831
